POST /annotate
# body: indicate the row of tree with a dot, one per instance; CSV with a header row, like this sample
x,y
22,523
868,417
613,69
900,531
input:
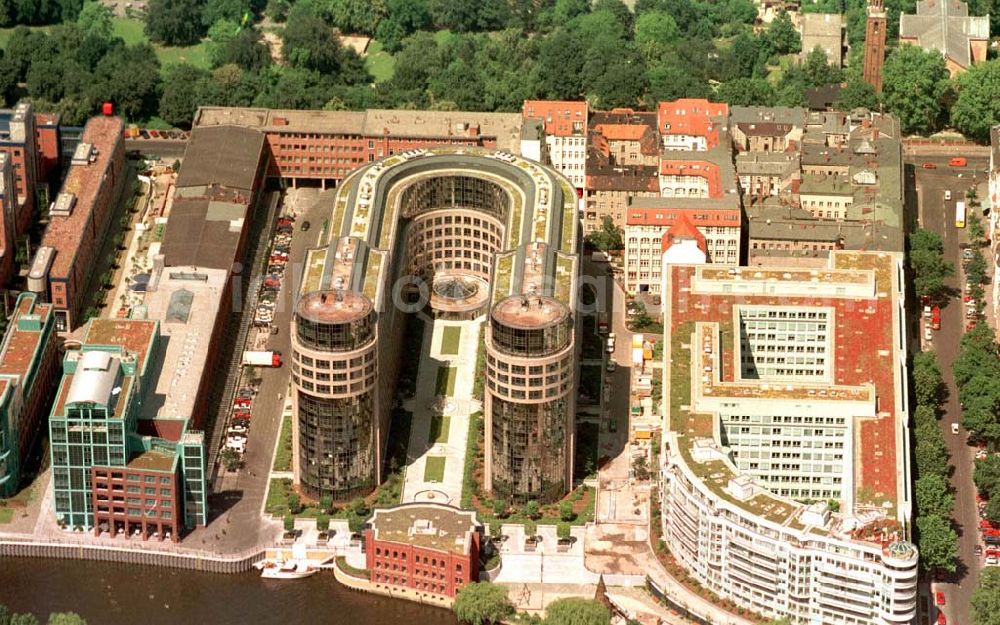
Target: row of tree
x,y
935,502
482,603
929,267
986,598
56,618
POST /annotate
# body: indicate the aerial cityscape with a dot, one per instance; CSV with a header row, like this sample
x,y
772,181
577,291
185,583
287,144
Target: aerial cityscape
x,y
559,312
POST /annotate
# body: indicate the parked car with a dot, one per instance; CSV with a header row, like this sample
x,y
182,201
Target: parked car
x,y
939,598
305,226
929,166
954,428
958,161
947,194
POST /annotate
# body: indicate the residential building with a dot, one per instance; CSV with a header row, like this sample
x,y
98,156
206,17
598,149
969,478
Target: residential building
x,y
826,32
8,219
518,247
564,135
793,389
432,549
622,158
113,470
27,372
323,147
767,174
19,140
947,27
766,128
79,220
654,225
875,29
691,124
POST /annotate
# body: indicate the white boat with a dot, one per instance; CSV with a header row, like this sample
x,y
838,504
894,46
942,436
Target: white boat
x,y
286,569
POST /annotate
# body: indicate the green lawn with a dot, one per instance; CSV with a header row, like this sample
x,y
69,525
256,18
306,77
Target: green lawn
x,y
434,470
379,63
440,426
445,385
450,339
277,496
132,31
283,454
5,33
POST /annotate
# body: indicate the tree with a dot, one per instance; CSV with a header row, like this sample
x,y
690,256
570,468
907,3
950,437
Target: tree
x,y
609,237
289,523
322,523
559,66
310,44
857,94
782,36
219,35
566,511
746,92
246,50
576,611
229,10
933,496
621,79
326,503
986,598
402,18
277,10
23,619
655,34
938,543
66,618
465,16
670,82
356,16
563,530
359,506
482,603
928,384
230,459
913,84
993,508
927,261
532,510
499,508
977,108
95,21
175,22
987,475
184,86
818,71
294,503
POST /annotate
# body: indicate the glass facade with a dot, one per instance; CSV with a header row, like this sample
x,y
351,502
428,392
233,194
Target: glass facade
x,y
335,337
336,445
193,472
529,450
81,439
531,341
456,192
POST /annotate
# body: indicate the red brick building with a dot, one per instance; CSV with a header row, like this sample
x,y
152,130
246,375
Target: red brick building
x,y
143,497
47,138
429,548
325,146
79,220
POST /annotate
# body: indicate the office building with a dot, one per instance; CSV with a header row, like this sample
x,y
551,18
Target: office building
x,y
788,386
502,228
432,549
79,219
27,372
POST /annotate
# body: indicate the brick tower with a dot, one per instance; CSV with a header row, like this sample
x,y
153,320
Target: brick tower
x,y
875,44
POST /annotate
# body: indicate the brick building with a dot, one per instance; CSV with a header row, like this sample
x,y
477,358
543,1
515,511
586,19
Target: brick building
x,y
323,147
18,139
8,219
79,220
430,548
27,372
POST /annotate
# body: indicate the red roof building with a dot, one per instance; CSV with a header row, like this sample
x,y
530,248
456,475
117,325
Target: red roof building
x,y
691,124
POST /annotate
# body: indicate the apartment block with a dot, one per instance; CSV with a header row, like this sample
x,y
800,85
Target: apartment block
x,y
431,549
793,390
622,156
113,470
27,372
324,147
691,125
18,139
79,220
563,141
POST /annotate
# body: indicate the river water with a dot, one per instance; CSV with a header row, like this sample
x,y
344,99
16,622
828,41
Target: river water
x,y
112,594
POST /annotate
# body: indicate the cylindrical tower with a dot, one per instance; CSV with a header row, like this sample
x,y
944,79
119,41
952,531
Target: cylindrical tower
x,y
528,399
333,373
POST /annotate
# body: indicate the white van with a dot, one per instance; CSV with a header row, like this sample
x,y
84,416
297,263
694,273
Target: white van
x,y
947,194
954,428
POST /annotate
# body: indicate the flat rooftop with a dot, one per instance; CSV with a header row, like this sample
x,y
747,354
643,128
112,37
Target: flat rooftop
x,y
438,527
152,460
186,305
21,346
65,234
227,156
135,336
203,232
864,372
505,127
333,306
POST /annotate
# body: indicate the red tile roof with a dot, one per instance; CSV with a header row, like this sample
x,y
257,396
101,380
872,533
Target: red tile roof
x,y
682,229
700,217
689,116
702,169
559,116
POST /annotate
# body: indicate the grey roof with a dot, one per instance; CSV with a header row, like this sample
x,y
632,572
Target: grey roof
x,y
767,114
945,26
825,31
228,156
766,163
781,223
201,233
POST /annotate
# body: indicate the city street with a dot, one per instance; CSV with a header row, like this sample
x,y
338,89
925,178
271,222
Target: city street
x,y
938,215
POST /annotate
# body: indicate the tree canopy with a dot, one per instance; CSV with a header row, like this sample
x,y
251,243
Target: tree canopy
x,y
576,611
914,81
482,603
986,598
977,108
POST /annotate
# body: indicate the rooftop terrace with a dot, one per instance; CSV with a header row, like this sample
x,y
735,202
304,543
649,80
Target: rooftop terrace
x,y
423,525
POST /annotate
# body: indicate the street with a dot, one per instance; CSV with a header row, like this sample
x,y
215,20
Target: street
x,y
938,215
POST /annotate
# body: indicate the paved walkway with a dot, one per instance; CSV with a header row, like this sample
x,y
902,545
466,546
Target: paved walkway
x,y
449,413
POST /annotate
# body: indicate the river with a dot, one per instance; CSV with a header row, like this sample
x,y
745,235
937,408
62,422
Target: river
x,y
112,594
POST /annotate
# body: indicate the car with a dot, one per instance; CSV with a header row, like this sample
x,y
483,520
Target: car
x,y
305,226
941,620
967,254
939,598
612,365
978,550
929,166
927,333
927,312
947,194
958,161
954,428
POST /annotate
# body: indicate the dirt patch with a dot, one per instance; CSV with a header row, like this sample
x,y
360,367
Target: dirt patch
x,y
273,42
358,43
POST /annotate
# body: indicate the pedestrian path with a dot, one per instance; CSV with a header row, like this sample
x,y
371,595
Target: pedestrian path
x,y
441,408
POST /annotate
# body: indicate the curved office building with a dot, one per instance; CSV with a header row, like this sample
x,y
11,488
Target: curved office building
x,y
455,234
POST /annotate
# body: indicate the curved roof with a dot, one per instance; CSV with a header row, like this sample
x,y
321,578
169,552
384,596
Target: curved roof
x,y
539,255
